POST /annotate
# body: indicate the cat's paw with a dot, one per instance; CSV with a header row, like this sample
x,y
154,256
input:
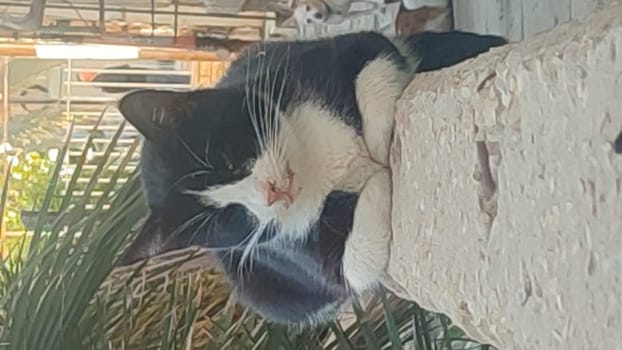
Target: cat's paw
x,y
367,248
378,87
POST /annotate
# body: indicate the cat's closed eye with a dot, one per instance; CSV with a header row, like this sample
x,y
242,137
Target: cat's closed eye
x,y
237,169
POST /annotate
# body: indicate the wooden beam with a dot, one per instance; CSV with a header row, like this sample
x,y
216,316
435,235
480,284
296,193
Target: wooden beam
x,y
179,55
17,50
147,53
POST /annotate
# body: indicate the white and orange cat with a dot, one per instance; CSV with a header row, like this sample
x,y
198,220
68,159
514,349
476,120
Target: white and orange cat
x,y
282,168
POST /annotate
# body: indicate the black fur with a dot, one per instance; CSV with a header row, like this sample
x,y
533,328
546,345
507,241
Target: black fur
x,y
286,282
294,282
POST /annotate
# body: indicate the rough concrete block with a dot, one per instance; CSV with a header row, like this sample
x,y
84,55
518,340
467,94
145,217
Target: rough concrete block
x,y
507,212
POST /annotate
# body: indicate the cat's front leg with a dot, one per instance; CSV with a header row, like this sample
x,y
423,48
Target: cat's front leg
x,y
367,247
378,87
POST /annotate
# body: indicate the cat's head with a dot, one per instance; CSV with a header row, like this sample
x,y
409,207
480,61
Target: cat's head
x,y
207,150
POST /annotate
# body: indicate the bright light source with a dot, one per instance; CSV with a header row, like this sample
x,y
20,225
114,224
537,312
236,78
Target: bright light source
x,y
89,154
13,160
5,147
90,51
53,154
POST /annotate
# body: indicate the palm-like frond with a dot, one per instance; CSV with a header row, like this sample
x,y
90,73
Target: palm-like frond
x,y
58,288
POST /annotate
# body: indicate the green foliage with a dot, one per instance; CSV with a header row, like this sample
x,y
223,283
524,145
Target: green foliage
x,y
30,176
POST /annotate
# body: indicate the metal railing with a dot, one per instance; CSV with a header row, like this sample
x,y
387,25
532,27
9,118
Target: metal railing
x,y
92,107
166,19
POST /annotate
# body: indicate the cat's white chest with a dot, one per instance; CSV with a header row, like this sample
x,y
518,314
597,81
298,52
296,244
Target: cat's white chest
x,y
331,153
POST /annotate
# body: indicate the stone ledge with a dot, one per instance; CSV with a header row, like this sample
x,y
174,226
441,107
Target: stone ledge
x,y
529,257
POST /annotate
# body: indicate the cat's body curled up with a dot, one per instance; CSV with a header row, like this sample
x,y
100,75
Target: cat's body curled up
x,y
282,167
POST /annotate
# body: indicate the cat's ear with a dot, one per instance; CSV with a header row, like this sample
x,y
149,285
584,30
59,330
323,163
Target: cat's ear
x,y
157,113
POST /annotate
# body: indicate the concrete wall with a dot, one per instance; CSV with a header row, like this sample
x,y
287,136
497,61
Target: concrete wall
x,y
527,255
520,19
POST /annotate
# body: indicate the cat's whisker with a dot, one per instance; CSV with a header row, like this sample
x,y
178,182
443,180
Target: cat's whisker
x,y
265,81
181,179
185,225
285,134
194,155
154,114
277,166
272,141
281,147
253,110
162,116
250,105
269,153
252,242
206,220
207,144
256,99
254,248
243,259
274,111
263,72
158,115
268,117
274,116
277,123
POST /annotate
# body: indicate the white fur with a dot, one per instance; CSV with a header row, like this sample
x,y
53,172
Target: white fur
x,y
325,155
367,248
378,87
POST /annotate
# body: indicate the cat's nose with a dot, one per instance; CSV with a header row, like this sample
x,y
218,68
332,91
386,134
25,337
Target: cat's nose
x,y
284,193
275,194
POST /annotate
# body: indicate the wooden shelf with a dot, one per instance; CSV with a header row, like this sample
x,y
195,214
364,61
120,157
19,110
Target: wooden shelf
x,y
21,49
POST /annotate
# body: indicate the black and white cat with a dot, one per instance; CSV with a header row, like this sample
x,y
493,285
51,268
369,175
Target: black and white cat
x,y
282,167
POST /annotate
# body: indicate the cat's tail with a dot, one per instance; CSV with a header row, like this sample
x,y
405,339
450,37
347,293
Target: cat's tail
x,y
428,51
